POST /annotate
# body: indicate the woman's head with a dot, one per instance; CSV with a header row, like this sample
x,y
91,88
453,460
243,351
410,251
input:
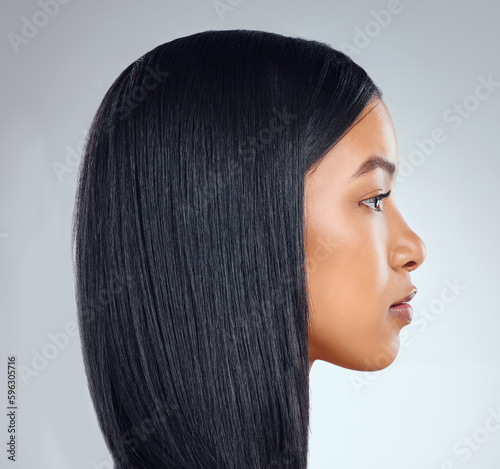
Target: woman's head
x,y
190,238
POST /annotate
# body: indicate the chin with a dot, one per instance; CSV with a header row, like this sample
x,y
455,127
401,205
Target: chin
x,y
373,360
382,358
373,357
378,364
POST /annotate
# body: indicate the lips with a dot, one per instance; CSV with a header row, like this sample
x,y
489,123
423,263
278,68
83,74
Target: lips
x,y
406,298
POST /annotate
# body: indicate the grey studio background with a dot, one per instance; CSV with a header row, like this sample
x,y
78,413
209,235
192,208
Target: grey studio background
x,y
437,62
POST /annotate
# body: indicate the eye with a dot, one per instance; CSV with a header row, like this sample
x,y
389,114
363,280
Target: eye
x,y
375,201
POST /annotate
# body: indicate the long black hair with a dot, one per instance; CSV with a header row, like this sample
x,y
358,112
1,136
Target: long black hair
x,y
188,246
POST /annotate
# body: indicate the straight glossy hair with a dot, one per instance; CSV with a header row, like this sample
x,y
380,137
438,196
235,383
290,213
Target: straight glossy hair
x,y
189,246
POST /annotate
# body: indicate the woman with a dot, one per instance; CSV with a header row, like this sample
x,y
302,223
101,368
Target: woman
x,y
230,229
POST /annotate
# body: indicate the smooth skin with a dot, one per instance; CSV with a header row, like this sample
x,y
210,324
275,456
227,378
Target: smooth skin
x,y
358,259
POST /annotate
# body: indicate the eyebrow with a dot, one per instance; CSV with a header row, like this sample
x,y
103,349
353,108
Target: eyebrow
x,y
373,163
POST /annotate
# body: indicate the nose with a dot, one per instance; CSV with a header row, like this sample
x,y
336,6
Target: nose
x,y
409,250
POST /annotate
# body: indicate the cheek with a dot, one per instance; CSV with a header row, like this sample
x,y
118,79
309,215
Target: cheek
x,y
347,273
347,259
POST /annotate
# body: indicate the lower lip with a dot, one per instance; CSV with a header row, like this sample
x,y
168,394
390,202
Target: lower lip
x,y
402,311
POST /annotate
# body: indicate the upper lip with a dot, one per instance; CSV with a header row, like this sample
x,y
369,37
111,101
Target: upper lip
x,y
406,298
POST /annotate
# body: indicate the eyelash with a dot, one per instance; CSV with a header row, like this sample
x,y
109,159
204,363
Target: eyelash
x,y
376,200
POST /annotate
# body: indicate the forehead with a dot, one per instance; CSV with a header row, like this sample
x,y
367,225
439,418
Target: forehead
x,y
372,134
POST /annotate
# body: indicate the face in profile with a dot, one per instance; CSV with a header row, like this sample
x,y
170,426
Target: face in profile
x,y
359,249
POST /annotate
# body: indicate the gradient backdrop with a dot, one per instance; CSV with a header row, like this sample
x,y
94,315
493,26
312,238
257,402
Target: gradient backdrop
x,y
438,405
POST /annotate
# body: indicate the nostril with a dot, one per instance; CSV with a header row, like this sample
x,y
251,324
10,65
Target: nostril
x,y
410,264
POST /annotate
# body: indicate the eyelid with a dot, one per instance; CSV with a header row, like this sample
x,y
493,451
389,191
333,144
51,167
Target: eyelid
x,y
376,198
